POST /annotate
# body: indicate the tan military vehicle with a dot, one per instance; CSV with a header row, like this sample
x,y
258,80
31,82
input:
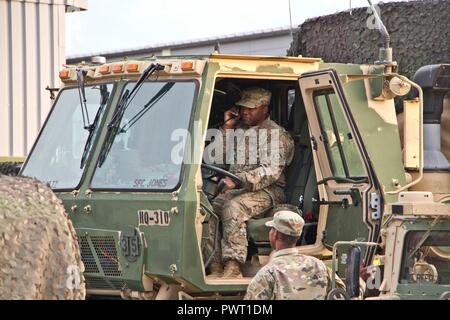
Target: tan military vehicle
x,y
141,219
375,209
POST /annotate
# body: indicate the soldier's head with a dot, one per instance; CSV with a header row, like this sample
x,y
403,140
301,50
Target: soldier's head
x,y
286,229
254,105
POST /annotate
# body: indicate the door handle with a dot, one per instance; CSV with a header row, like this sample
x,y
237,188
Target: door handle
x,y
353,193
344,203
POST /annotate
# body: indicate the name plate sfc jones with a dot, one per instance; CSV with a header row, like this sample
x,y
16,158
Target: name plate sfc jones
x,y
154,218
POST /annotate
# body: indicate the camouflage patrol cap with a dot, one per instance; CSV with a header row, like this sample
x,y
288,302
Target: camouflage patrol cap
x,y
254,97
287,222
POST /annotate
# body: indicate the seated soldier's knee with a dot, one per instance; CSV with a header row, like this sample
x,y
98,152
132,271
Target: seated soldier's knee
x,y
232,210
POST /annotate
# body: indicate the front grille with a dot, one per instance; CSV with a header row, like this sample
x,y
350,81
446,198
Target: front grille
x,y
97,283
101,283
87,256
99,255
105,248
117,284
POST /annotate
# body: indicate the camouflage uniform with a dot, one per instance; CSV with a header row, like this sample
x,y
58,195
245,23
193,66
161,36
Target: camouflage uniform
x,y
262,173
290,275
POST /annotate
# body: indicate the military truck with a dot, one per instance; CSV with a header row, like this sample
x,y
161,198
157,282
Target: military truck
x,y
125,148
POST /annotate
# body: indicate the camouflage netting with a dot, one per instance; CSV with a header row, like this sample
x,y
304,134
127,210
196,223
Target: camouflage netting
x,y
420,35
39,253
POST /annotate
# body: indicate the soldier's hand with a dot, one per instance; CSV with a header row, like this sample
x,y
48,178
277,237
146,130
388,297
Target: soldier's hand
x,y
231,118
229,185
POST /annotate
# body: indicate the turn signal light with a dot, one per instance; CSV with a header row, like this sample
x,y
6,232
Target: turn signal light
x,y
132,67
64,74
117,68
187,66
105,69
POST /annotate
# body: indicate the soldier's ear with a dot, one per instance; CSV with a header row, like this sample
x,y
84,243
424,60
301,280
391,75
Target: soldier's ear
x,y
276,234
272,233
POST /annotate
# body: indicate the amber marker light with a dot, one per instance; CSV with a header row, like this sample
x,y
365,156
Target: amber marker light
x,y
105,69
132,67
117,68
187,66
64,74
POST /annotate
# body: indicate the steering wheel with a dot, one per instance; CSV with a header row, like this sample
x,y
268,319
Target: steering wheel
x,y
338,294
214,179
445,296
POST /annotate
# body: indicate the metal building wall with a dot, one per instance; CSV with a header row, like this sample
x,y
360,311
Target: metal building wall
x,y
32,50
263,42
273,46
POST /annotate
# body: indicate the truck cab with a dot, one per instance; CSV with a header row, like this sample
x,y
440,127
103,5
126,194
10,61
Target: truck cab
x,y
124,149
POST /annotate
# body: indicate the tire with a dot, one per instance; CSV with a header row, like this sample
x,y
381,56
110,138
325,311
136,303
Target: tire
x,y
10,168
40,257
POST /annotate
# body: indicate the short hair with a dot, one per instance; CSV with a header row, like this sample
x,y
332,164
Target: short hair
x,y
287,239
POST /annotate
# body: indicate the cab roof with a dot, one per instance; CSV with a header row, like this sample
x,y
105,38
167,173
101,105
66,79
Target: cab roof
x,y
175,65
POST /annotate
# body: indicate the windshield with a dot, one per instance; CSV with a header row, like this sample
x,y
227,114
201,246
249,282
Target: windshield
x,y
57,154
141,156
429,262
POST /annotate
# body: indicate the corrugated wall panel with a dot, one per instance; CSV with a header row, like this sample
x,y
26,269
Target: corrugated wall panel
x,y
61,44
32,51
17,65
31,98
44,59
4,80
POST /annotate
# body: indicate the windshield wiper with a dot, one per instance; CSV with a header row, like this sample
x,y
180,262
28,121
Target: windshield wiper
x,y
82,94
104,96
113,127
127,98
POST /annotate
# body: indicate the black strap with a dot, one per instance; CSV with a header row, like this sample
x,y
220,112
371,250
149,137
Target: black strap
x,y
297,168
308,164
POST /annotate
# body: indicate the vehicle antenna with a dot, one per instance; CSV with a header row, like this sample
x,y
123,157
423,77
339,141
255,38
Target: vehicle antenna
x,y
386,56
290,21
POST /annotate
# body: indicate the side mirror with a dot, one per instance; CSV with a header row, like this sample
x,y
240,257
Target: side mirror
x,y
352,271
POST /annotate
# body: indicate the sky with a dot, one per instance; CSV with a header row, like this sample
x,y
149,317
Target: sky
x,y
110,25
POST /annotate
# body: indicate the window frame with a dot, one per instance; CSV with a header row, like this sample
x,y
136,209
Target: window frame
x,y
326,93
97,136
